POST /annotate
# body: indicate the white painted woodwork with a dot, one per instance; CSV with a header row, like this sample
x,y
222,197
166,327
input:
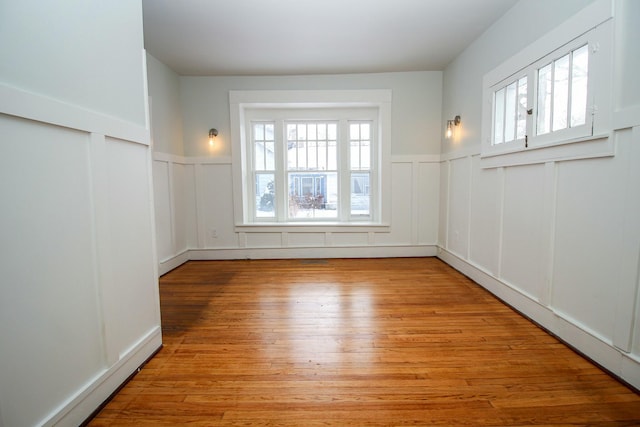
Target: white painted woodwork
x,y
555,233
79,308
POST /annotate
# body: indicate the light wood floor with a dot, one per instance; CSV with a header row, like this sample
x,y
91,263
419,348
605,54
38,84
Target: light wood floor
x,y
356,343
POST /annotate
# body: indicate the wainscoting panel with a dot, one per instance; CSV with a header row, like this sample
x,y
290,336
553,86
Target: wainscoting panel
x,y
560,241
201,214
522,244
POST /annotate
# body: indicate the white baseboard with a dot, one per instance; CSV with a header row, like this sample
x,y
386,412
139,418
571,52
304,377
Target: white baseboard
x,y
82,405
293,253
173,262
332,252
623,365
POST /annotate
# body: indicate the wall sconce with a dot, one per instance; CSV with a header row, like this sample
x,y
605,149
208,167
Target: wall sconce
x,y
212,134
451,124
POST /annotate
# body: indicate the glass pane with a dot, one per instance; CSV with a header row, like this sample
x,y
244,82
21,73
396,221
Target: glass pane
x,y
360,195
302,153
522,108
258,131
259,155
268,132
498,114
332,155
312,154
322,155
354,155
365,131
579,79
510,113
365,155
269,153
265,195
561,93
322,132
544,100
292,134
354,131
302,132
332,131
292,155
312,195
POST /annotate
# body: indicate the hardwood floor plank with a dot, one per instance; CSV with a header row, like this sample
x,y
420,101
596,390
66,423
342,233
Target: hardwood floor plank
x,y
371,342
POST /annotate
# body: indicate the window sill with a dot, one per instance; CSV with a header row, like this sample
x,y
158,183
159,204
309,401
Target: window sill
x,y
579,148
313,227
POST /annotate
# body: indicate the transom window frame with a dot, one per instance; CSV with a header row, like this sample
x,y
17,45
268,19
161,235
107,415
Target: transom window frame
x,y
243,108
593,26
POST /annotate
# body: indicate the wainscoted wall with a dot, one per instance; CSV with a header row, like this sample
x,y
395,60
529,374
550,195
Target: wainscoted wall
x,y
557,240
554,232
79,307
194,210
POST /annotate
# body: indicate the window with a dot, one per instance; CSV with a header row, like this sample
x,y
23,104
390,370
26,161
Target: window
x,y
311,163
562,92
548,94
311,170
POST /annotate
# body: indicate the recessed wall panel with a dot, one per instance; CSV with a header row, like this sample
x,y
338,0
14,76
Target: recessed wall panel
x,y
522,235
486,193
50,334
458,226
588,230
162,200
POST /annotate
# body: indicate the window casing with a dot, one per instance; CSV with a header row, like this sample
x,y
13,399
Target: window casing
x,y
548,94
321,157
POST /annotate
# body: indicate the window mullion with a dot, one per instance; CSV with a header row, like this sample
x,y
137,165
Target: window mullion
x,y
281,170
344,171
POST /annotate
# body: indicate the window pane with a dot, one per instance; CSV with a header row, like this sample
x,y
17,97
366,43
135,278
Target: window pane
x,y
322,155
498,113
579,78
312,195
360,152
259,155
522,108
360,196
265,195
510,113
354,155
332,155
258,131
332,130
365,155
544,100
561,93
270,158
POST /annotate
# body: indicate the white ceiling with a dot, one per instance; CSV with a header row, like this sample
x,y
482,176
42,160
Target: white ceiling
x,y
284,37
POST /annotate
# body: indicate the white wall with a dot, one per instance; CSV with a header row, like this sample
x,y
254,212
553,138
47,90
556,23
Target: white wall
x,y
79,307
166,113
196,189
558,239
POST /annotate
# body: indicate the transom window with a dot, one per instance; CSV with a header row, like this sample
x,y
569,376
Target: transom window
x,y
542,98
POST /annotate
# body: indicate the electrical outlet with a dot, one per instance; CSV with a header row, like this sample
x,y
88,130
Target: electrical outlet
x,y
214,233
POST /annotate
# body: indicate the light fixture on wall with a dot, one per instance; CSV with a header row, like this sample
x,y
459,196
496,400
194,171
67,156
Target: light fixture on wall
x,y
213,132
451,124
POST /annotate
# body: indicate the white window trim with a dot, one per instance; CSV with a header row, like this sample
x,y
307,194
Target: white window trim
x,y
241,102
592,23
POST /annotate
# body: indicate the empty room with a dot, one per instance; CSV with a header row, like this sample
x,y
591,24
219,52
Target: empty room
x,y
306,212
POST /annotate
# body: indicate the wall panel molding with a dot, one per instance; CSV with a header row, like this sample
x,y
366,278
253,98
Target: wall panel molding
x,y
20,103
347,239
